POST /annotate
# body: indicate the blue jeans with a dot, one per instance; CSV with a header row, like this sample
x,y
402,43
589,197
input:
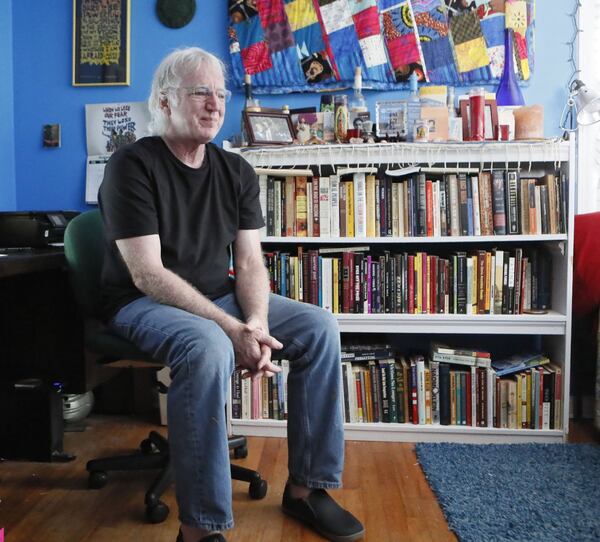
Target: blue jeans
x,y
201,359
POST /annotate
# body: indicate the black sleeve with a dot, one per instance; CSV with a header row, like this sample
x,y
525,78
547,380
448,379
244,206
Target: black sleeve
x,y
250,213
126,198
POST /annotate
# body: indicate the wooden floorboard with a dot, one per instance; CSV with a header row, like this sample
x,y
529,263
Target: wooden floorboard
x,y
383,485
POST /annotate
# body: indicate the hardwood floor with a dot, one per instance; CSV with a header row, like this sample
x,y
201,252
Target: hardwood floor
x,y
383,485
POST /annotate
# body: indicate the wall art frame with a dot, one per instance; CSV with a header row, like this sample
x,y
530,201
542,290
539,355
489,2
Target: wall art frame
x,y
101,42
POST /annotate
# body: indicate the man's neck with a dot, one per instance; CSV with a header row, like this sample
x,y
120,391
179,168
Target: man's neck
x,y
191,155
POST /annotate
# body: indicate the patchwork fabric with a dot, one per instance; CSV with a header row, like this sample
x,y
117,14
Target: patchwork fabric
x,y
432,27
336,16
279,36
271,12
465,27
373,50
402,41
366,22
300,13
471,55
256,58
304,45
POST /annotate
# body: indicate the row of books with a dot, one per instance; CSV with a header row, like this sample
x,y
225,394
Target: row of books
x,y
482,282
423,391
419,205
444,388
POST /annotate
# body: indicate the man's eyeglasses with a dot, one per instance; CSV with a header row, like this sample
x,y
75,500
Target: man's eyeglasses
x,y
202,93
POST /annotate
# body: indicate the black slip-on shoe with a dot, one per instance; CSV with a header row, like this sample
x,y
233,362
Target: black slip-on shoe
x,y
324,515
216,537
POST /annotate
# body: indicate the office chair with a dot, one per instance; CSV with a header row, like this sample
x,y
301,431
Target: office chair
x,y
84,252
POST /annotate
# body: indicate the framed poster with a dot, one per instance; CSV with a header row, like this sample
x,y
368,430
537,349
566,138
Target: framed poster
x,y
101,42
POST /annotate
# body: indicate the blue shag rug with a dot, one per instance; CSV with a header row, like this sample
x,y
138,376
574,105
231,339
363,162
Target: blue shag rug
x,y
516,492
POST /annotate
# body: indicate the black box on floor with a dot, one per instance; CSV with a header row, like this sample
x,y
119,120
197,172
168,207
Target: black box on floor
x,y
31,420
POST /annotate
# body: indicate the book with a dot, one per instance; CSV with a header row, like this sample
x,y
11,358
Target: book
x,y
334,194
314,204
485,203
262,183
498,199
324,207
444,393
290,206
461,360
301,208
360,205
459,351
519,362
512,202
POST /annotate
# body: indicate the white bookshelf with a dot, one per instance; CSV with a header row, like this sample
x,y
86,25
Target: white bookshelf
x,y
553,328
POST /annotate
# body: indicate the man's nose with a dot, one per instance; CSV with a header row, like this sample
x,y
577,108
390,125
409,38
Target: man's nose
x,y
212,101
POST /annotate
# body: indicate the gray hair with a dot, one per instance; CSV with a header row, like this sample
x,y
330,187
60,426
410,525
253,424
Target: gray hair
x,y
169,75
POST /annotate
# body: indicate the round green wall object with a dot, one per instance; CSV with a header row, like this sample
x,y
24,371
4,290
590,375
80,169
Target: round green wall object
x,y
175,13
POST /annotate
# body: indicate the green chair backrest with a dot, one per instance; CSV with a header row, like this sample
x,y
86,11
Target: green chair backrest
x,y
84,251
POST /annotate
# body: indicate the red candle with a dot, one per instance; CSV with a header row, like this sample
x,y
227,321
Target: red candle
x,y
477,114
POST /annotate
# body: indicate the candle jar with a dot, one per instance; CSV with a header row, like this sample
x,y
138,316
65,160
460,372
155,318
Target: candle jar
x,y
477,114
529,122
340,118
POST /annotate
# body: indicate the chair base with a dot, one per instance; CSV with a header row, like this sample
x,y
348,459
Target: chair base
x,y
154,454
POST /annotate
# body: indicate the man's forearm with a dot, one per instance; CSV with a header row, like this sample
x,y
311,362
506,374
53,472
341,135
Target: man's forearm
x,y
169,288
252,292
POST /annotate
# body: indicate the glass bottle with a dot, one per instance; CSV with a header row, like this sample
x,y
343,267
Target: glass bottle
x,y
358,103
413,107
251,103
509,92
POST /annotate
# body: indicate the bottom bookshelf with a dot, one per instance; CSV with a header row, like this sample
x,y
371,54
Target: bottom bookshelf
x,y
402,432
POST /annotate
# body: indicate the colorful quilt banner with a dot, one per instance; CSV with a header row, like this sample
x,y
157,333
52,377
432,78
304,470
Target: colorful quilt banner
x,y
315,45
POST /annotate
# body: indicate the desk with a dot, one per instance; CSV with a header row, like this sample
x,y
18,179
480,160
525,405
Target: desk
x,y
41,328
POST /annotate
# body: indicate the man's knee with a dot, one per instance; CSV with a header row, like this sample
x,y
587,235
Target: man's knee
x,y
210,354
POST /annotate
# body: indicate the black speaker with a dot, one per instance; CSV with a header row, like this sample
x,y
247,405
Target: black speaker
x,y
31,421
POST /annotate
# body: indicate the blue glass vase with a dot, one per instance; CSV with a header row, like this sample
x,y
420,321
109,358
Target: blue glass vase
x,y
508,92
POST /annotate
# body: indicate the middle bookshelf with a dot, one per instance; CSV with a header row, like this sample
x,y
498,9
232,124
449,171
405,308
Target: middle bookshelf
x,y
416,245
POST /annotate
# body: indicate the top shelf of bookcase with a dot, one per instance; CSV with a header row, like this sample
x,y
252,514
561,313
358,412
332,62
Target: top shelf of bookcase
x,y
486,154
475,239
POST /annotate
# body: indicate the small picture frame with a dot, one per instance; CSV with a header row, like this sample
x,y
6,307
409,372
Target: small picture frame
x,y
390,118
491,119
268,128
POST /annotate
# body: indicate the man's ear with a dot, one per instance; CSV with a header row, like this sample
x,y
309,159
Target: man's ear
x,y
164,104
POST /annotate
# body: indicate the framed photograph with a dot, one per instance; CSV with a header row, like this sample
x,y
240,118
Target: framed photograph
x,y
437,120
101,42
491,119
268,128
390,118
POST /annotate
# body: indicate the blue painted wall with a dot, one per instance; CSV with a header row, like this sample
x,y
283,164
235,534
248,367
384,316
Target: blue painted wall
x,y
8,199
41,50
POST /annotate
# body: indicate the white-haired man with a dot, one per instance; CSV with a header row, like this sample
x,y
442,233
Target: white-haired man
x,y
172,205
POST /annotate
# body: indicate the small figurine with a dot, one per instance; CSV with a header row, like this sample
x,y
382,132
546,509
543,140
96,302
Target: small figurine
x,y
314,138
303,132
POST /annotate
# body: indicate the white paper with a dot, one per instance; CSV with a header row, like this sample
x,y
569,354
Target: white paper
x,y
108,127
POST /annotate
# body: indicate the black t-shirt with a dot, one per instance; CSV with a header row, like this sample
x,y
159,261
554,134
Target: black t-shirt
x,y
196,212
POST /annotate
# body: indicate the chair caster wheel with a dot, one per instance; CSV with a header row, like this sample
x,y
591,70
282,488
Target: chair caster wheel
x,y
240,453
157,513
258,489
147,446
97,479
